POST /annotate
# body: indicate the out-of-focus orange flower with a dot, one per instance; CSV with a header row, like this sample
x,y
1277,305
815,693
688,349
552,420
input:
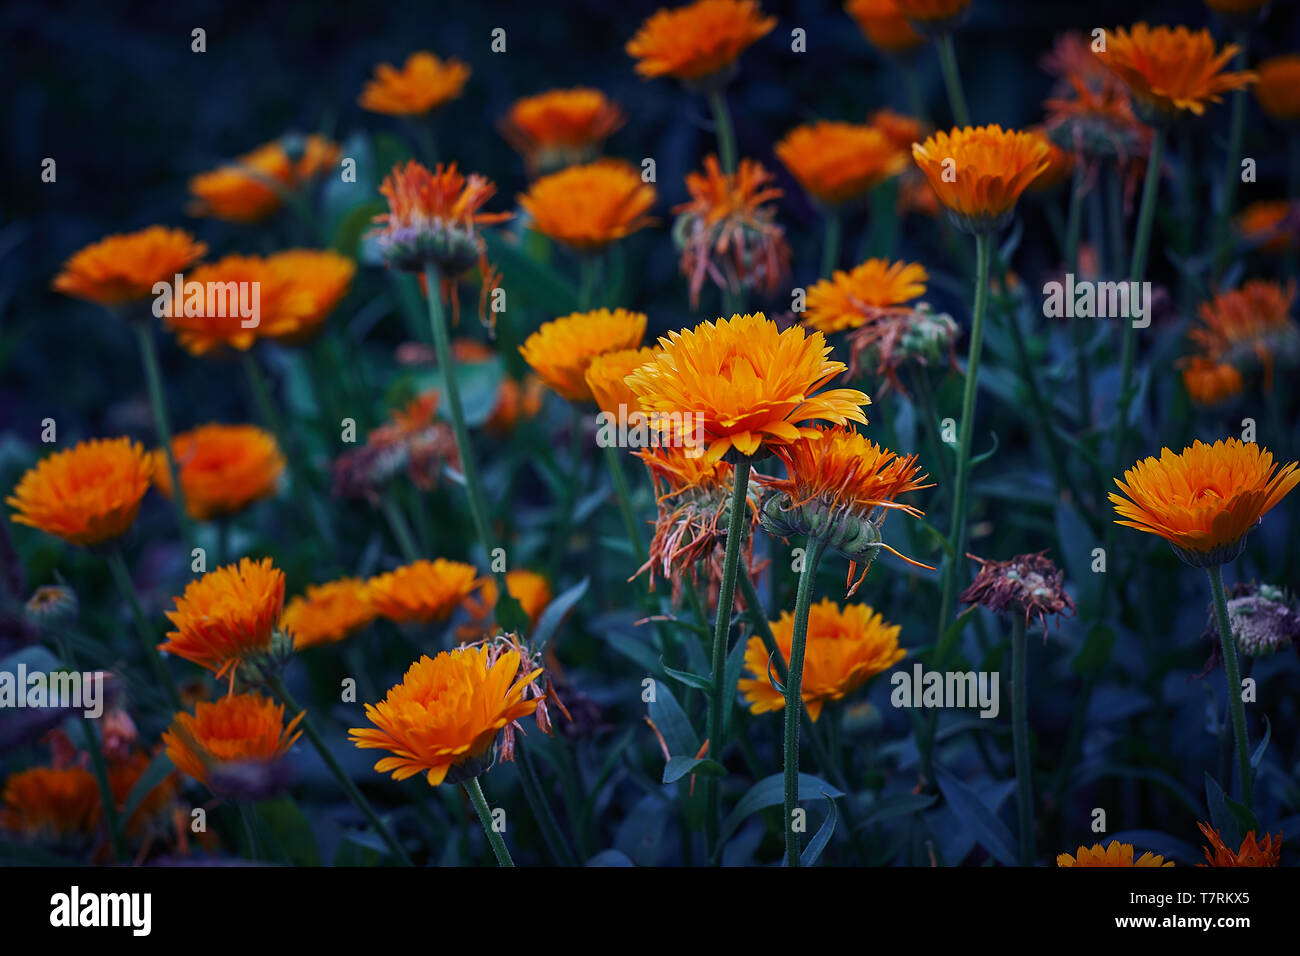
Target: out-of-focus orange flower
x,y
700,41
883,24
561,127
322,276
1205,499
423,591
87,494
223,468
978,173
1098,121
747,383
1252,852
1270,224
1278,88
123,268
50,803
236,729
848,300
530,589
227,616
836,163
1252,323
1071,58
328,612
605,377
1209,382
1236,8
252,187
413,440
1114,854
587,207
1060,164
424,83
934,16
517,401
845,648
1172,71
900,130
561,350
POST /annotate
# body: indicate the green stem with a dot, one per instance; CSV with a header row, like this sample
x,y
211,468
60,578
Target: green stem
x,y
831,242
476,797
1231,165
162,424
398,525
762,626
625,504
1228,642
794,693
929,409
1078,335
589,269
1020,735
952,79
148,644
726,135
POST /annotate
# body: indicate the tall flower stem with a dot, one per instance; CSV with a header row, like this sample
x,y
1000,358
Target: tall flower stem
x,y
952,79
1078,335
398,524
162,424
625,504
1020,738
1232,672
475,793
277,687
148,644
794,693
726,135
721,628
1231,164
831,242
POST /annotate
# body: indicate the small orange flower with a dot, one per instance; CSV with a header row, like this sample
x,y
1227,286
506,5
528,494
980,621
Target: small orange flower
x,y
747,383
561,127
1060,165
223,468
444,718
900,130
50,803
1270,224
836,163
849,300
322,276
1114,854
588,207
236,729
87,494
883,24
1278,89
517,401
699,41
123,268
561,350
423,591
934,16
978,173
227,616
530,589
1252,852
1252,323
605,378
1172,71
1205,499
328,613
845,648
424,83
1209,382
124,772
252,187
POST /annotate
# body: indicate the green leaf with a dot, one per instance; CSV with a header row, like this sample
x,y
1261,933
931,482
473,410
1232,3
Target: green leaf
x,y
528,282
548,622
1258,755
687,678
730,681
949,636
1221,817
770,792
1243,815
897,805
673,723
355,223
974,814
814,849
678,767
154,774
290,830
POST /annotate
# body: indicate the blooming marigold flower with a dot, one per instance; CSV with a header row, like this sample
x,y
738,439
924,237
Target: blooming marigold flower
x,y
252,187
748,385
978,173
1267,852
328,612
444,718
836,163
849,300
562,349
1278,88
1114,854
424,83
587,207
699,42
933,17
1252,323
123,268
322,276
87,494
1271,225
846,647
884,26
560,127
1209,382
1171,72
530,589
605,378
235,731
227,618
1029,583
50,803
1205,499
423,591
223,468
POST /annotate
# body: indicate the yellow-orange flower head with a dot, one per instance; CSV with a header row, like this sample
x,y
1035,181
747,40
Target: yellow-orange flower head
x,y
561,127
846,647
321,277
328,613
443,719
530,589
1278,89
883,24
587,207
1252,852
423,591
837,163
251,187
605,378
223,468
979,172
424,83
1114,854
849,300
700,42
87,494
123,268
50,803
1209,382
236,729
562,349
747,383
1205,499
933,17
228,616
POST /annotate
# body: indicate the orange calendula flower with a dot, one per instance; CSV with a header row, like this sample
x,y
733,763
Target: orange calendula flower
x,y
846,648
228,617
562,349
423,591
1271,225
50,803
699,42
747,383
252,187
1205,499
237,729
1278,88
1172,71
424,83
328,612
124,268
561,127
322,277
530,589
444,718
836,163
1060,164
978,173
587,207
1114,854
1252,852
1209,382
517,401
883,24
605,378
87,494
934,16
900,130
849,300
1252,323
223,468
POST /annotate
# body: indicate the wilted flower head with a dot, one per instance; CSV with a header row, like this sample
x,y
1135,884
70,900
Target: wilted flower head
x,y
700,42
413,441
902,337
1249,325
560,127
229,744
837,163
1252,852
562,349
422,591
933,17
222,468
1278,88
1114,854
253,186
1097,122
327,613
47,803
589,206
1263,619
424,83
978,173
883,24
867,292
123,268
1028,584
